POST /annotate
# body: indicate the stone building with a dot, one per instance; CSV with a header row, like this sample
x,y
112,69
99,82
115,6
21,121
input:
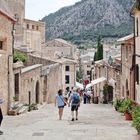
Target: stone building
x,y
39,79
59,48
136,58
127,51
29,34
68,72
6,55
103,72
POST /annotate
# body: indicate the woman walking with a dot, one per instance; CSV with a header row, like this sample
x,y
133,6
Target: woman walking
x,y
60,103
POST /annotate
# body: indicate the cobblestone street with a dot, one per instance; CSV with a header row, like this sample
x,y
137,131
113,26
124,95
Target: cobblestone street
x,y
96,122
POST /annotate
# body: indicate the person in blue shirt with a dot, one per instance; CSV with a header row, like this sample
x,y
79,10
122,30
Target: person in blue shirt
x,y
60,101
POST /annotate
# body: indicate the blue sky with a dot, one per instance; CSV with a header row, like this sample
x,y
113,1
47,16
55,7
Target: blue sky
x,y
37,9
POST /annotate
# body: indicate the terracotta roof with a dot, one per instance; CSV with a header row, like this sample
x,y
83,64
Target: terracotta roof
x,y
4,9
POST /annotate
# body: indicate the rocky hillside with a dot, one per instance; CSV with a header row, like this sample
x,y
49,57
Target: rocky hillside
x,y
88,19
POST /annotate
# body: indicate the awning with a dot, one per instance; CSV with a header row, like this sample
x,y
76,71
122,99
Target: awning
x,y
99,80
96,81
79,85
88,85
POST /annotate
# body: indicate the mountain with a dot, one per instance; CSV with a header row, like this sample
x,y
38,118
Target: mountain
x,y
88,19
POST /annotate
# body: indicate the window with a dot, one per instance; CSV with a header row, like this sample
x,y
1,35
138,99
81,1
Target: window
x,y
137,27
88,72
36,27
126,52
27,26
1,45
137,74
67,89
67,68
67,79
33,26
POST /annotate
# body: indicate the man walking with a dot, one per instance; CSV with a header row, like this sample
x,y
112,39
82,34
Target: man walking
x,y
75,103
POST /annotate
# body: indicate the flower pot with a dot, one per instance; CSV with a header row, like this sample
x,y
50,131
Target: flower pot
x,y
127,115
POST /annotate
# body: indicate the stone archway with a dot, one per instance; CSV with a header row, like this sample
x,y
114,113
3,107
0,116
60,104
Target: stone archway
x,y
37,92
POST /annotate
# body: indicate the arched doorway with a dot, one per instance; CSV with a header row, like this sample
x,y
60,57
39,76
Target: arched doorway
x,y
37,92
110,93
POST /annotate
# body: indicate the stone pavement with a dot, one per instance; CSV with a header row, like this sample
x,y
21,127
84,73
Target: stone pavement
x,y
96,122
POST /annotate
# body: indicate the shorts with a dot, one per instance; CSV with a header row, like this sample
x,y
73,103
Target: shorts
x,y
60,106
74,107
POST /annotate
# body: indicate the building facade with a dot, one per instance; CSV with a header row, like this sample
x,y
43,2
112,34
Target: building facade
x,y
127,51
6,56
136,12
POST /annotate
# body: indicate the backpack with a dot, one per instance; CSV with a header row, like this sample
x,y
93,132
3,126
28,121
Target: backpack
x,y
76,98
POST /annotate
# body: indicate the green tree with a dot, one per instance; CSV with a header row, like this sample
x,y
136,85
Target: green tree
x,y
18,56
99,53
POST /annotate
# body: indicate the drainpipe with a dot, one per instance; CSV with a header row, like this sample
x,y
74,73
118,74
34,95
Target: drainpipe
x,y
134,59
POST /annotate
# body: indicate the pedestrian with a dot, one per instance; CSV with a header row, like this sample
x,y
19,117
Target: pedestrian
x,y
59,99
75,103
1,116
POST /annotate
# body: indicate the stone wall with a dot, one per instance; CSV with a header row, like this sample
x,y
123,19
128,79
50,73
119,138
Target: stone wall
x,y
31,83
54,82
6,71
33,59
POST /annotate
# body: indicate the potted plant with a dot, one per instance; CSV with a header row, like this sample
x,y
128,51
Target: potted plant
x,y
136,119
126,108
136,124
117,103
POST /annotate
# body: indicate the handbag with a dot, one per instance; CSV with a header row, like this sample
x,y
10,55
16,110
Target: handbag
x,y
62,100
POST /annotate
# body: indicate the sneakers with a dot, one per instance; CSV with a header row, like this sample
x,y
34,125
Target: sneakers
x,y
72,119
1,133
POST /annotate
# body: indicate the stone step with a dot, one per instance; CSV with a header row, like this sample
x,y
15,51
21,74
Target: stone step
x,y
23,109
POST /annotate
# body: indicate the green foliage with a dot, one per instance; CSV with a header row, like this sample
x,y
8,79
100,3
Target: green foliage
x,y
99,53
136,124
18,56
136,118
117,103
78,76
105,89
136,111
126,105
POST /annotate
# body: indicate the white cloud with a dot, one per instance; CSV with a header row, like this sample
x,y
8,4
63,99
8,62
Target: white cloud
x,y
37,9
